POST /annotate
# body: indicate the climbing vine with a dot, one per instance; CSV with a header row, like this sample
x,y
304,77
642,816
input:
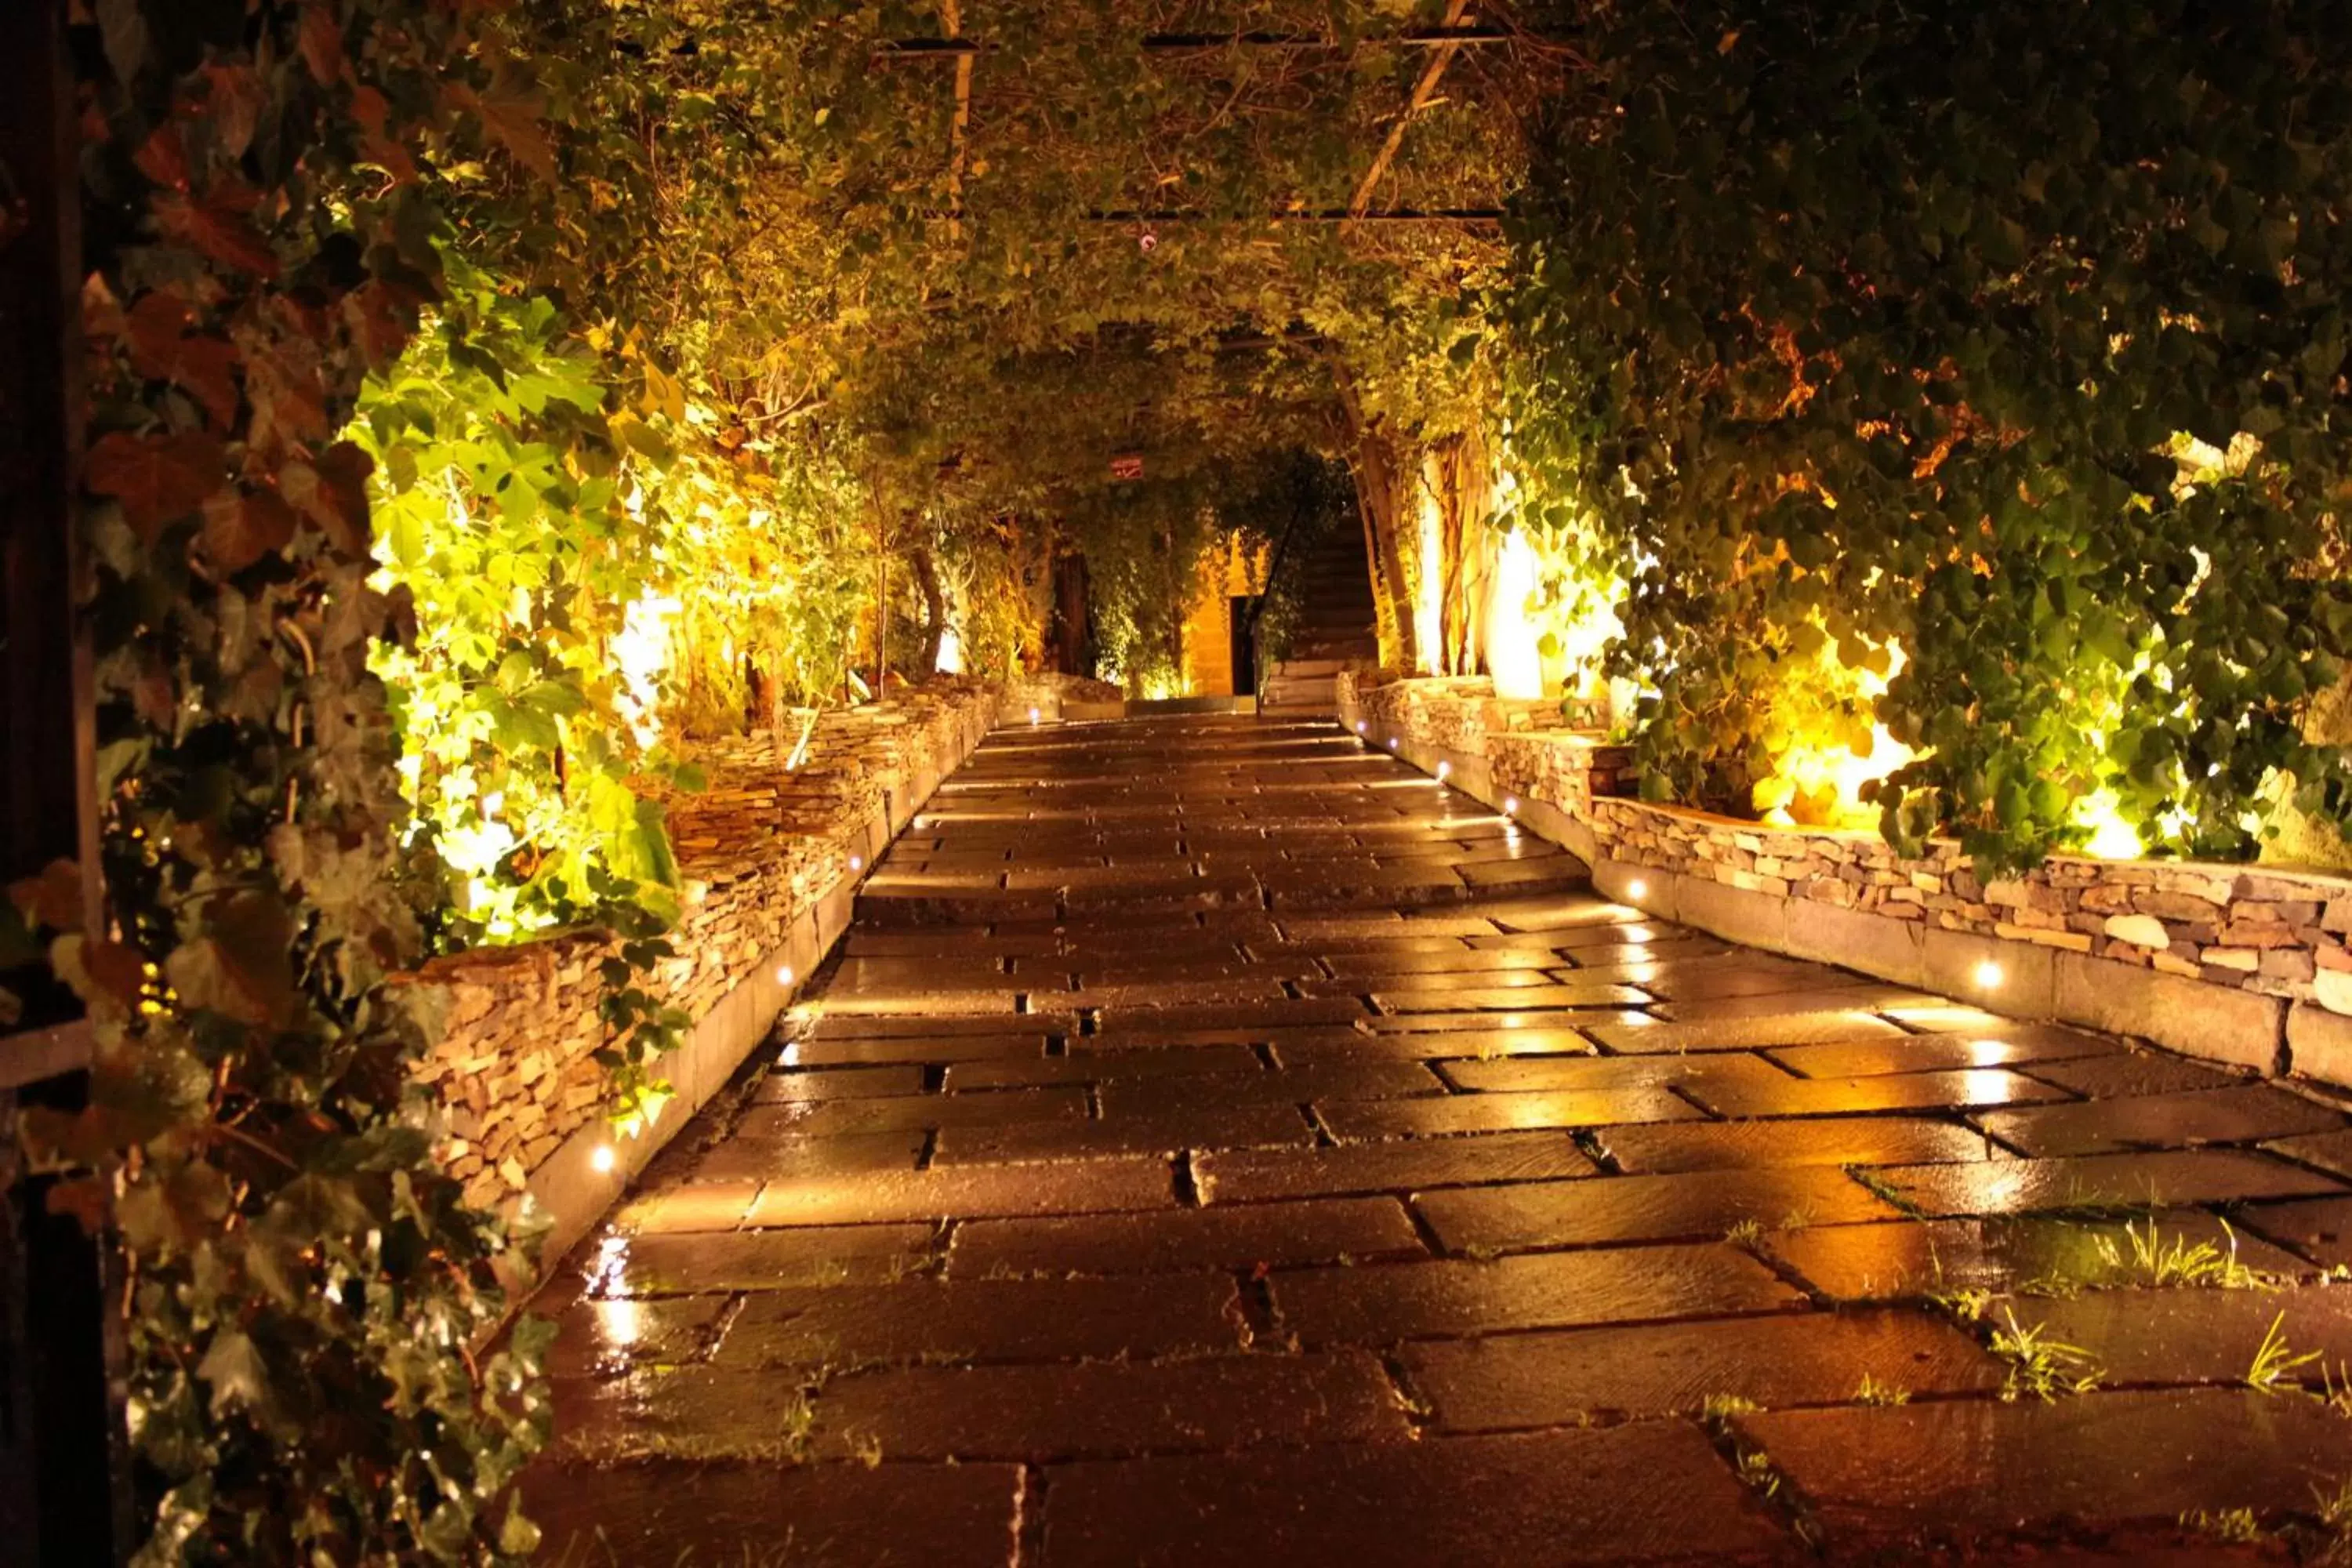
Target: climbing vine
x,y
303,1284
1965,385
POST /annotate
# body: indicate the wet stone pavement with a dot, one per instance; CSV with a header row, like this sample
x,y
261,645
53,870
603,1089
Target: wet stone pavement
x,y
1218,1143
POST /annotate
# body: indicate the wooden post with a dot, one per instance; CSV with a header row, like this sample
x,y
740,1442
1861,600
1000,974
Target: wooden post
x,y
63,1493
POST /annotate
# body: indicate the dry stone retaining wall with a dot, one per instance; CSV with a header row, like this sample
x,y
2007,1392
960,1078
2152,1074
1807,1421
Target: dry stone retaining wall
x,y
2243,963
770,854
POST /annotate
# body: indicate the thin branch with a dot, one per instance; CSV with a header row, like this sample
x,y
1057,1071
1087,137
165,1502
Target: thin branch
x,y
1457,13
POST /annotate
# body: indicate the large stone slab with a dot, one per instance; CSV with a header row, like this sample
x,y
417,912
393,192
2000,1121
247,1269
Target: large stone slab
x,y
1217,1405
1887,1481
1701,1205
824,1516
1255,1237
1380,1304
1634,1494
1394,1167
1519,1381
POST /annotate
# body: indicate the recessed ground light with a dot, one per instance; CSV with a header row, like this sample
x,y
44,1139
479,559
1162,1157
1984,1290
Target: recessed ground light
x,y
1990,975
1444,769
784,975
1510,805
602,1159
1360,726
1032,715
1637,889
857,862
1392,742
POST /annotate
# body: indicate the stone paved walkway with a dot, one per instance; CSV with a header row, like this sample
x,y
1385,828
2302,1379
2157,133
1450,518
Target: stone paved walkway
x,y
1220,1144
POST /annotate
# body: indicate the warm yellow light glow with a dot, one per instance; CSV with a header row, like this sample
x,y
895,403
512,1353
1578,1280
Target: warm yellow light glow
x,y
603,1159
1032,715
1510,805
1512,654
1444,769
2112,839
622,1322
641,652
1637,889
1429,605
857,862
1819,779
1360,726
951,661
784,975
1991,976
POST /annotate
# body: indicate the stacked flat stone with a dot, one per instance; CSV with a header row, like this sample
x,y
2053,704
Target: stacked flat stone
x,y
2272,933
513,1070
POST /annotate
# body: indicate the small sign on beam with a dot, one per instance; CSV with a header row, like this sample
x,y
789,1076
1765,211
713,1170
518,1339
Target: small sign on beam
x,y
1127,466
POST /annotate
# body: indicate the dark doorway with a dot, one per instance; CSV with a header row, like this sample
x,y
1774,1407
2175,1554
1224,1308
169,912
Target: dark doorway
x,y
1245,644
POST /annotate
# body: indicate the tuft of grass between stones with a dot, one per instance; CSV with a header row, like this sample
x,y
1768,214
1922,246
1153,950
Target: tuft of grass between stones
x,y
1870,1391
2039,1363
2274,1363
2149,1259
2235,1527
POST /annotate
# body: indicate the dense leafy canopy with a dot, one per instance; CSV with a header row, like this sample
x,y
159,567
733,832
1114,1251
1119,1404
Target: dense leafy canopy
x,y
492,399
1987,357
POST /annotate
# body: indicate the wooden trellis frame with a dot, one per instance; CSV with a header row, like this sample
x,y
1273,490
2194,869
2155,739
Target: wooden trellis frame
x,y
1459,30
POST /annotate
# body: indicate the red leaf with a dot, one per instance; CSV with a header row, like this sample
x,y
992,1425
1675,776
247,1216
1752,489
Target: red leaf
x,y
119,969
322,43
334,494
85,1198
232,106
164,158
240,530
215,227
161,350
52,900
511,114
157,478
342,496
382,320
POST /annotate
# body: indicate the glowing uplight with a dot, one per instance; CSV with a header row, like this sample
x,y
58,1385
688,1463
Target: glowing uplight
x,y
1990,976
1637,889
1360,726
641,653
1032,715
784,975
1444,769
1510,805
603,1159
1429,605
2112,839
1512,652
1392,742
857,862
1820,780
950,652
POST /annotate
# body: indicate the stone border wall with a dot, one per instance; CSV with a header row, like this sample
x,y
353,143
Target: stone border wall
x,y
2239,964
771,856
1052,698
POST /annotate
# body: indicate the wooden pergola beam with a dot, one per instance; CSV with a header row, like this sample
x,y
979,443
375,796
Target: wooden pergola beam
x,y
954,46
951,13
1469,216
1458,13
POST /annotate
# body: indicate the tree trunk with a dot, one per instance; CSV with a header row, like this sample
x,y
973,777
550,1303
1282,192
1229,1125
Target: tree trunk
x,y
1459,472
935,611
1372,460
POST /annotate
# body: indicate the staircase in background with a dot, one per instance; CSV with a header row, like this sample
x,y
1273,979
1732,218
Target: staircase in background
x,y
1336,627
